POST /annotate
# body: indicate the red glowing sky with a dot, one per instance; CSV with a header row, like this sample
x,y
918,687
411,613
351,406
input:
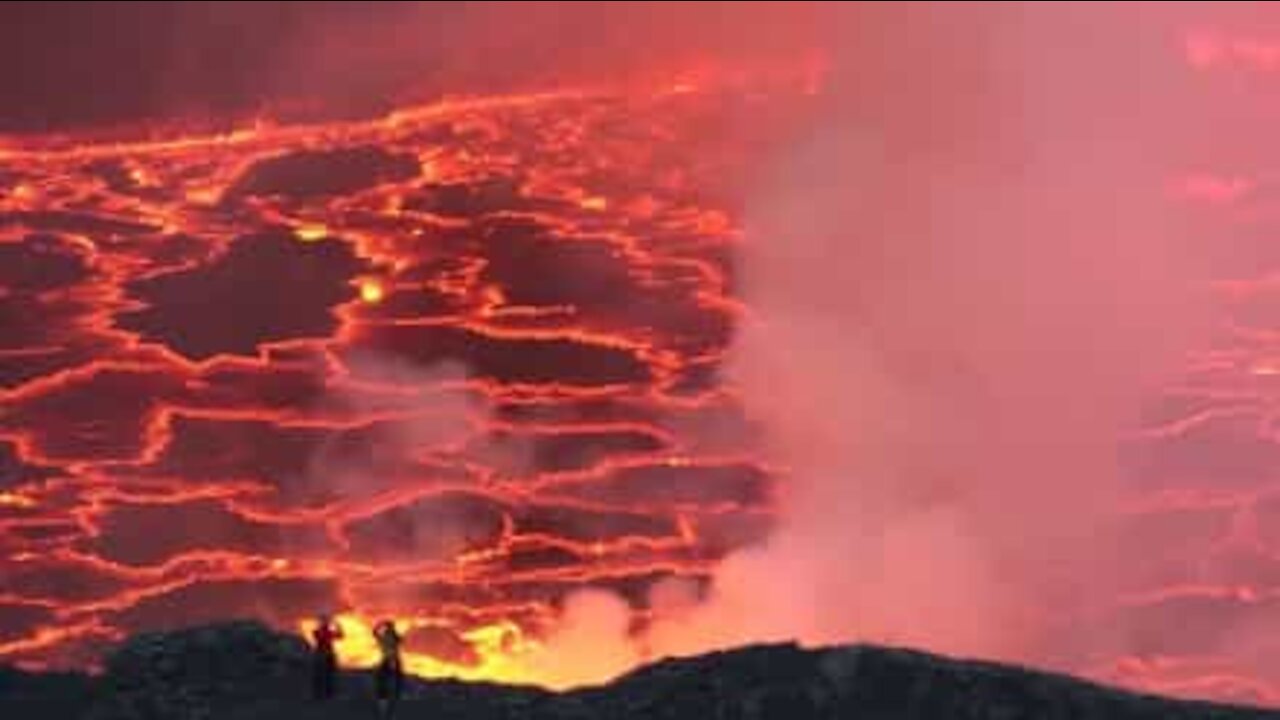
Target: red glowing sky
x,y
923,325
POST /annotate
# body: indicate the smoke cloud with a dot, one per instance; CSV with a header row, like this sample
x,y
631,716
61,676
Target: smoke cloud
x,y
966,277
205,62
589,643
966,281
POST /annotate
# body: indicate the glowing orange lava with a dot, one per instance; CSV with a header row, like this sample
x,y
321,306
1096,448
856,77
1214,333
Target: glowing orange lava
x,y
371,292
430,366
453,366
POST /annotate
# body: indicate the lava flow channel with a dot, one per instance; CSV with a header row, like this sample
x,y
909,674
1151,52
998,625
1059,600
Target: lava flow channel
x,y
433,366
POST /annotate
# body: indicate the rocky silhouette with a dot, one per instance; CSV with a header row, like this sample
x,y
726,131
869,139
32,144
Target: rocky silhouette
x,y
244,671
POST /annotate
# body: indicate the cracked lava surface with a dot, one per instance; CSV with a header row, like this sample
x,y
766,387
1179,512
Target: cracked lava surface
x,y
444,365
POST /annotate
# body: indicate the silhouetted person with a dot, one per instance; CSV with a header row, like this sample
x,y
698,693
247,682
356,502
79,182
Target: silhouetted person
x,y
325,669
389,678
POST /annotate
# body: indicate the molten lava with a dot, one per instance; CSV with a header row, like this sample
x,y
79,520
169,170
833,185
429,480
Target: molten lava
x,y
451,366
432,367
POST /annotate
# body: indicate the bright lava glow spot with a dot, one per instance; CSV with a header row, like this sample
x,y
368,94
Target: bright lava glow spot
x,y
202,196
1267,367
311,233
141,177
372,292
15,500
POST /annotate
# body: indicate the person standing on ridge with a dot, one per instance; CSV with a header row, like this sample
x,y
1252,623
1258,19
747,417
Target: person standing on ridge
x,y
389,678
325,670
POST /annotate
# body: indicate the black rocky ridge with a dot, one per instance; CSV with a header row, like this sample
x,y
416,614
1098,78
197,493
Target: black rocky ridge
x,y
244,671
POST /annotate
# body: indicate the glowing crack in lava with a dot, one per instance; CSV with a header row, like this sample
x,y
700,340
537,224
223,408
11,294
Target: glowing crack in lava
x,y
432,366
457,365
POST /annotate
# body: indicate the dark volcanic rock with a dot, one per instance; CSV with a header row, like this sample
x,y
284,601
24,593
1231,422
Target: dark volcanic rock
x,y
266,288
210,671
242,671
322,173
44,695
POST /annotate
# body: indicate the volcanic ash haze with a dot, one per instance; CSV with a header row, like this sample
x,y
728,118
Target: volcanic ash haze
x,y
966,278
